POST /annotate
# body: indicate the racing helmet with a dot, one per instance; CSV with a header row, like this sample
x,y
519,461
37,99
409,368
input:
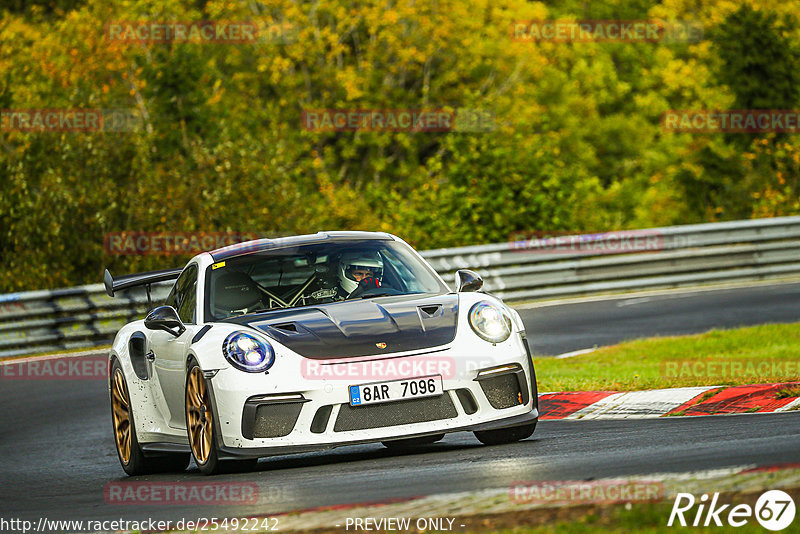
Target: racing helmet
x,y
352,261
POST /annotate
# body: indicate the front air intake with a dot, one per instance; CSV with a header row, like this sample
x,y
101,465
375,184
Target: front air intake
x,y
502,391
395,413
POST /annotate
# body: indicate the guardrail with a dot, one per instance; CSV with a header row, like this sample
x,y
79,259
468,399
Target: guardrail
x,y
40,321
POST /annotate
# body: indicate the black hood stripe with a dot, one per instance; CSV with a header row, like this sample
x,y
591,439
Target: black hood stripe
x,y
367,327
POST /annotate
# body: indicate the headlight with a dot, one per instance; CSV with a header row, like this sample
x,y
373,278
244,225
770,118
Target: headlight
x,y
489,322
248,353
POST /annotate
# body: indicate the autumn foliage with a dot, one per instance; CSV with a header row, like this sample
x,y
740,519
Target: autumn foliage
x,y
219,143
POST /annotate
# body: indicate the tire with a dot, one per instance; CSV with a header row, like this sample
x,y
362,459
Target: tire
x,y
505,435
200,427
129,452
411,443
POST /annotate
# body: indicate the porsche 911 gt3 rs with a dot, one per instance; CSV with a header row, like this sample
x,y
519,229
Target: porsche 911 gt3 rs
x,y
312,342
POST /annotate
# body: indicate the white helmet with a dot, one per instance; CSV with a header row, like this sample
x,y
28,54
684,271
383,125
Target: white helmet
x,y
351,261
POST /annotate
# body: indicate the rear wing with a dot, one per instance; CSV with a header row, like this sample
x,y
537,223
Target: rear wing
x,y
140,279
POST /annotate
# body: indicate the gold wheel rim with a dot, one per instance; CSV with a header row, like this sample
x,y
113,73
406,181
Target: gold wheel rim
x,y
121,415
198,416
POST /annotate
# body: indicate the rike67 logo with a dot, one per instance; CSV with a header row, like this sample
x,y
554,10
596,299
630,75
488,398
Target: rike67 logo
x,y
774,510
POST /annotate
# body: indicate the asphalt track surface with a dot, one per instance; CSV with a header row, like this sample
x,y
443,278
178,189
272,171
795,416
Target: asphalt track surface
x,y
57,452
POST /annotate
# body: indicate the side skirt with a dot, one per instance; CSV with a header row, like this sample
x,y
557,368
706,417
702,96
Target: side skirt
x,y
154,449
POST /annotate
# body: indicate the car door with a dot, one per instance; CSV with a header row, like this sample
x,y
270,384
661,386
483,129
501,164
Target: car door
x,y
169,363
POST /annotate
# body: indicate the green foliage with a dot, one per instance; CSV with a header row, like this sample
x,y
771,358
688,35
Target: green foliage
x,y
577,146
759,59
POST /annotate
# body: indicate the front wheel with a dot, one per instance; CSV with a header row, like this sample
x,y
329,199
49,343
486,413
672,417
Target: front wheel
x,y
200,422
201,431
505,435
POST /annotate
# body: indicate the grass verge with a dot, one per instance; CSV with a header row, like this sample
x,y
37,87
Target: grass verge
x,y
753,355
615,518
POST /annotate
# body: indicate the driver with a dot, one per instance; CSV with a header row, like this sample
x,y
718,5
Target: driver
x,y
359,272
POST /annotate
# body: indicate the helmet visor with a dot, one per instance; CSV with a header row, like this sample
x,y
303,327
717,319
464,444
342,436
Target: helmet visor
x,y
357,272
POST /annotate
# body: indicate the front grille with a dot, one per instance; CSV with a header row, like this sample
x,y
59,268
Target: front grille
x,y
275,420
503,391
395,413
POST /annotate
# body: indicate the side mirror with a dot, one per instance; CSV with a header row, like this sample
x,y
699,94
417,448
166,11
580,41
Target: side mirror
x,y
165,318
468,281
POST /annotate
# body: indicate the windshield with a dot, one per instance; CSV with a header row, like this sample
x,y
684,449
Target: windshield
x,y
313,274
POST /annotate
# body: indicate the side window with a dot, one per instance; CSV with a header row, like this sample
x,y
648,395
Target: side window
x,y
172,297
406,279
188,299
183,296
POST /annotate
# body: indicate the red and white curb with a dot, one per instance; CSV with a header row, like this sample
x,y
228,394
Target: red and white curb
x,y
704,400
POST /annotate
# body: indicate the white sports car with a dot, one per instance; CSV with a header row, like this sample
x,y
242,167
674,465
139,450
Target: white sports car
x,y
313,342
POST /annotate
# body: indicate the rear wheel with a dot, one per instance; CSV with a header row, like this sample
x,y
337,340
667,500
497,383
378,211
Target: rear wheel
x,y
129,452
505,435
410,443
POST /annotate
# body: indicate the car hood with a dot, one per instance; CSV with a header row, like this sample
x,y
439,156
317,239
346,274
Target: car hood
x,y
362,327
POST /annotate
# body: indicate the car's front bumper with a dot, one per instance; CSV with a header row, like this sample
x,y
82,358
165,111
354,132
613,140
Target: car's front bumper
x,y
227,453
256,417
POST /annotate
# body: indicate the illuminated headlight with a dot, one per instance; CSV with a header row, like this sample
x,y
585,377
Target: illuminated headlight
x,y
248,353
489,322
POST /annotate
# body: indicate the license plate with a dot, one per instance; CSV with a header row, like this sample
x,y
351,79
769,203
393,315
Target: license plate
x,y
395,390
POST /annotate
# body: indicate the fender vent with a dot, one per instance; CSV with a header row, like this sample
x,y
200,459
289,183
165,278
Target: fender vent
x,y
198,336
137,345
